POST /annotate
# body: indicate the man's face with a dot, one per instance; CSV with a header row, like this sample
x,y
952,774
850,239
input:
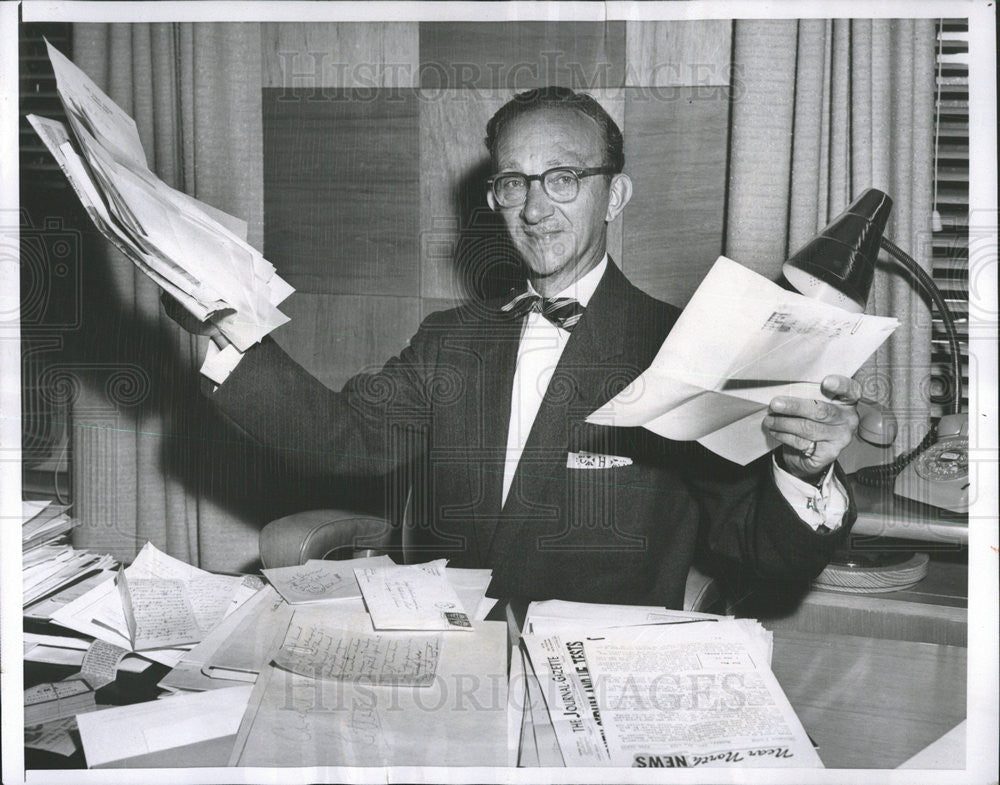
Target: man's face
x,y
559,241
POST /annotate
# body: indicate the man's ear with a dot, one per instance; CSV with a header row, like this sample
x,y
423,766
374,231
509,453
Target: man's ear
x,y
619,194
491,199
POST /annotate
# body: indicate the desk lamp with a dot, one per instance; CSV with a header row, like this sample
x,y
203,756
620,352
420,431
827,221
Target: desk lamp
x,y
837,266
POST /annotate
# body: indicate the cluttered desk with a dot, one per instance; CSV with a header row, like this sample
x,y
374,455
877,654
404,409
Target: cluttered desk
x,y
367,663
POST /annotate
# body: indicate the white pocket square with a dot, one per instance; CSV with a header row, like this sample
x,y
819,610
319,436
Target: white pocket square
x,y
595,460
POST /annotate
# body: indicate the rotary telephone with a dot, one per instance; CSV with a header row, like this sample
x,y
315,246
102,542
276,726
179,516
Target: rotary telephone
x,y
939,475
935,473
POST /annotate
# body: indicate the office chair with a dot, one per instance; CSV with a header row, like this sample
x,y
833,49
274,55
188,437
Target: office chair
x,y
341,534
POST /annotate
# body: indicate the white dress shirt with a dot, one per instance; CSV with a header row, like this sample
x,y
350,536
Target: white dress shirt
x,y
541,346
538,354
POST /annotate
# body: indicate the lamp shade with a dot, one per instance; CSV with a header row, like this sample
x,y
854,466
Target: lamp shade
x,y
837,265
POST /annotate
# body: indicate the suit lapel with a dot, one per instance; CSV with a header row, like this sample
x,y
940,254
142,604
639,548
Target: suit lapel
x,y
578,386
488,415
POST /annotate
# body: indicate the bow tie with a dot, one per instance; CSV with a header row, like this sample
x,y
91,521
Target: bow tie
x,y
563,312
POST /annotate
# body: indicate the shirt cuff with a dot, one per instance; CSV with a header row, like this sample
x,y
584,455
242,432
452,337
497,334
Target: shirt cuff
x,y
219,363
824,506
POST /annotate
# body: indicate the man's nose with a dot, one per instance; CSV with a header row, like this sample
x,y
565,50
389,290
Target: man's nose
x,y
537,205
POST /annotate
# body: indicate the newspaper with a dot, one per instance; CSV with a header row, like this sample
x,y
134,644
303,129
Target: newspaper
x,y
684,695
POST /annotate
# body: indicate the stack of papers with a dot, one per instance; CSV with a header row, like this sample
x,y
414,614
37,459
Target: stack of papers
x,y
49,562
191,250
409,597
319,580
43,609
44,523
330,687
101,613
413,597
651,688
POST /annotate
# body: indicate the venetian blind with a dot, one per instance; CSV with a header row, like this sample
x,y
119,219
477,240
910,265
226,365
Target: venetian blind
x,y
950,239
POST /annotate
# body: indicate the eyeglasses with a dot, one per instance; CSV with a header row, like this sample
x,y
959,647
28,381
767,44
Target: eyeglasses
x,y
561,184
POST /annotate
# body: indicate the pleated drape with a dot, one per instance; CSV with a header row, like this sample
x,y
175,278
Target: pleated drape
x,y
194,91
822,110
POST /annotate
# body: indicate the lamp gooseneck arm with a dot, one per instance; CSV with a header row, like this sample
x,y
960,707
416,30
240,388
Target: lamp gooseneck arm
x,y
926,283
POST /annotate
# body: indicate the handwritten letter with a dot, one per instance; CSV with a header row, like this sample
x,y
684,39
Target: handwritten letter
x,y
158,612
379,658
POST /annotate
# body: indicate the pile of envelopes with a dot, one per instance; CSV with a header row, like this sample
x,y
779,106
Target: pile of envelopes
x,y
196,253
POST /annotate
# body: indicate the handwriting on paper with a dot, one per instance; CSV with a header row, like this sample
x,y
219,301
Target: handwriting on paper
x,y
375,658
741,341
100,663
55,691
210,597
318,580
158,612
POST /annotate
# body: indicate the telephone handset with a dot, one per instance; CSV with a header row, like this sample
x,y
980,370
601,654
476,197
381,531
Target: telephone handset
x,y
939,475
872,444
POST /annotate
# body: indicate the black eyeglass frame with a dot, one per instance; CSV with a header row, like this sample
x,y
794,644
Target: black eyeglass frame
x,y
579,171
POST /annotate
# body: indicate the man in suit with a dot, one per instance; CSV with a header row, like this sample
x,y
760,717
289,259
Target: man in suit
x,y
485,408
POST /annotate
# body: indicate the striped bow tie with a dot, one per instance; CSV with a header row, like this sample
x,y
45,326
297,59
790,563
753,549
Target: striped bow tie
x,y
563,312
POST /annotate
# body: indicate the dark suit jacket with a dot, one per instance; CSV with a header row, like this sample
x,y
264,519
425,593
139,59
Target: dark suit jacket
x,y
441,409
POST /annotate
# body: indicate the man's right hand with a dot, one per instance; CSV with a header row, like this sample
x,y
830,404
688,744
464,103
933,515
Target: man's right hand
x,y
182,316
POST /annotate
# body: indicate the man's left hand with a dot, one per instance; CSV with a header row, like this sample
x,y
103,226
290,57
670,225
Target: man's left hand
x,y
813,432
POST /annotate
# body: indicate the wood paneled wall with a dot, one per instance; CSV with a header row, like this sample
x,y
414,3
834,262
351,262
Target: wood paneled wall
x,y
374,164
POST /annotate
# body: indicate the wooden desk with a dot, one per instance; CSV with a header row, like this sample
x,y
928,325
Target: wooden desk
x,y
933,611
870,702
883,514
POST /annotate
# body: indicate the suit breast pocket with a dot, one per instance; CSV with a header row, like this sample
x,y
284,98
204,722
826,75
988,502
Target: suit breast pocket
x,y
584,460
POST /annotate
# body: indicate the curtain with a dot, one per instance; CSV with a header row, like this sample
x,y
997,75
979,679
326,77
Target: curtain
x,y
141,433
821,111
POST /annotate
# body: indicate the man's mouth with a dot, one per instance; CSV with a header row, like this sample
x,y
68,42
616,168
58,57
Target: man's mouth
x,y
542,234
